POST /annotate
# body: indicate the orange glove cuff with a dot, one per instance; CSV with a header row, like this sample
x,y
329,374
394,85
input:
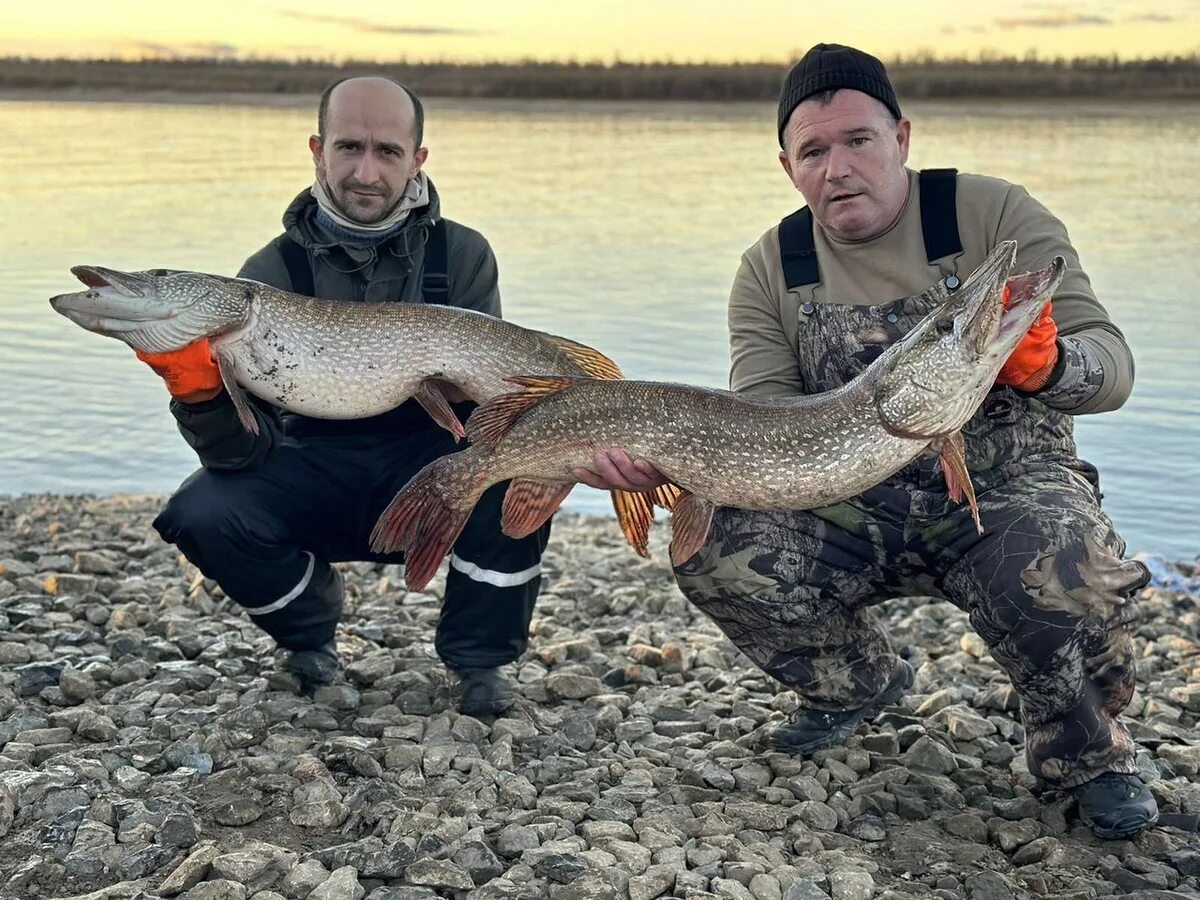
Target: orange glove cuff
x,y
1029,366
186,371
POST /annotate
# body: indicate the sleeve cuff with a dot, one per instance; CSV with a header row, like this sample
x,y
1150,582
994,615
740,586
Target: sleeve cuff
x,y
1077,376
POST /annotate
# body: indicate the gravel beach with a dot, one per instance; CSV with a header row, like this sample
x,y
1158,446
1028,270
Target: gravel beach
x,y
151,746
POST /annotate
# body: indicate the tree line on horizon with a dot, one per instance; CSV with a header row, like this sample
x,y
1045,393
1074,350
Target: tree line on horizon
x,y
915,77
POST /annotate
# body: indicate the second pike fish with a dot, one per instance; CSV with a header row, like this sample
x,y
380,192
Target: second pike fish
x,y
724,449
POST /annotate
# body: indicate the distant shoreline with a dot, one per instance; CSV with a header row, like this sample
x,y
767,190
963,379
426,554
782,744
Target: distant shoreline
x,y
251,81
1007,106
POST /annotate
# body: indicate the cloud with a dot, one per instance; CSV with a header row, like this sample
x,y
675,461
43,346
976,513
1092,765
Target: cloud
x,y
1153,17
1058,19
182,51
370,27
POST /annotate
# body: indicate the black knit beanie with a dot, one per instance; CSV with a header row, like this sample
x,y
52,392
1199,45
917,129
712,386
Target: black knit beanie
x,y
829,66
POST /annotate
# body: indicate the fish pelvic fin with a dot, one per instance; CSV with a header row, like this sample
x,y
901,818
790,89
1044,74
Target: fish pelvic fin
x,y
228,377
690,522
590,361
421,521
953,457
489,423
667,495
433,401
635,515
529,503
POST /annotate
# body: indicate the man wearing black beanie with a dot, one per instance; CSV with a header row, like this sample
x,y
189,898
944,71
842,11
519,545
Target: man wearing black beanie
x,y
815,300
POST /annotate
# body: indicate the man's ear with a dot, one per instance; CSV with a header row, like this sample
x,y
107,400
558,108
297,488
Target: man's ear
x,y
317,147
419,158
786,163
903,133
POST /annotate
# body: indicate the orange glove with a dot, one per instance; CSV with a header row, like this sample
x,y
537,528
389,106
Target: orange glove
x,y
1029,366
190,373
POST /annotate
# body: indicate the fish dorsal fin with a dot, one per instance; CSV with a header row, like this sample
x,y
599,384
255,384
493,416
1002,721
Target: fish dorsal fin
x,y
489,423
590,361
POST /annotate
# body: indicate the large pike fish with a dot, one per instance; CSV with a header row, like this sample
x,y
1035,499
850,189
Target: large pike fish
x,y
724,449
323,358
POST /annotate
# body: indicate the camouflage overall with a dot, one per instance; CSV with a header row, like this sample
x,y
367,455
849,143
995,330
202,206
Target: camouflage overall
x,y
1044,585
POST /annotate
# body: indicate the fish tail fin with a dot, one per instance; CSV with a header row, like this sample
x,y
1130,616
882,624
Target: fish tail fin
x,y
590,361
488,424
529,503
426,517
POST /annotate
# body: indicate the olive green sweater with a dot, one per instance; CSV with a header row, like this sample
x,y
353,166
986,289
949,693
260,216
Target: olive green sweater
x,y
1097,367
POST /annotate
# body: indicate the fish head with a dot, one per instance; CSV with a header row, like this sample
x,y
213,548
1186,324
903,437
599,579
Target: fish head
x,y
940,371
157,310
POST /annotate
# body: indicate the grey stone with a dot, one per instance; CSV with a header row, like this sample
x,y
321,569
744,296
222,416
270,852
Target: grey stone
x,y
303,878
513,840
217,890
190,872
850,885
478,860
928,755
561,868
342,884
573,687
318,804
439,873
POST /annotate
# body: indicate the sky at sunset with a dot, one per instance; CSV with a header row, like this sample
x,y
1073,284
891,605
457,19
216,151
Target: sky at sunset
x,y
678,30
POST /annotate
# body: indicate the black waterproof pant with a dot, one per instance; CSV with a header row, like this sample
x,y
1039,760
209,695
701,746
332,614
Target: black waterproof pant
x,y
267,536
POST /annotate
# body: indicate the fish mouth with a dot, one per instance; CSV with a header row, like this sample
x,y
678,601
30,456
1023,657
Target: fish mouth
x,y
131,284
1028,294
115,303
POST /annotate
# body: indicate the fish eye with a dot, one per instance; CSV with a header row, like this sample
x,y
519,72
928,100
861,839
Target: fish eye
x,y
945,326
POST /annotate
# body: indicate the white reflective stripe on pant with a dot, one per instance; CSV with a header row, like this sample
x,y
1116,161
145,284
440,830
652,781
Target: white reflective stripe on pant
x,y
290,595
492,577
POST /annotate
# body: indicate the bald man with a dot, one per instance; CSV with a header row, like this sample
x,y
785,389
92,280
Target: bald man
x,y
266,514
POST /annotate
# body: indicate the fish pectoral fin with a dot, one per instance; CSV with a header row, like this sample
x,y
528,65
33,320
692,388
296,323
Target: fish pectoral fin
x,y
635,515
528,504
433,401
590,361
229,379
491,421
958,480
690,522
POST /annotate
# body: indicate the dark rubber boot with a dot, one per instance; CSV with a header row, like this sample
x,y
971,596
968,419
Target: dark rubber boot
x,y
1116,806
485,692
810,730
